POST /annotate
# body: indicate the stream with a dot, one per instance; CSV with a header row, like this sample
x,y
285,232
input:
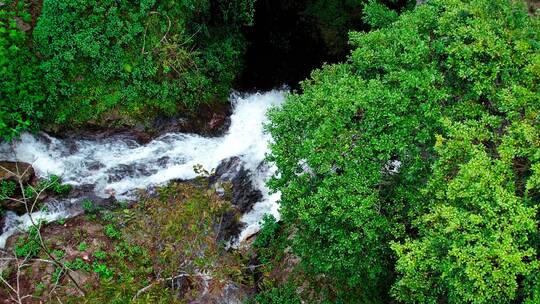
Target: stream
x,y
120,166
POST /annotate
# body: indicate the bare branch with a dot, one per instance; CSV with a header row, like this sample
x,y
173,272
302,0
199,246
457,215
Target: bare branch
x,y
159,281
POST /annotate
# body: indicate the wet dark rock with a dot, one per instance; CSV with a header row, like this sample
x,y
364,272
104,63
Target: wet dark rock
x,y
132,170
163,161
209,120
2,222
94,165
233,181
87,192
243,193
11,170
12,205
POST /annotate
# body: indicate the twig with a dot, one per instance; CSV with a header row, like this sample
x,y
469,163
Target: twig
x,y
164,38
158,281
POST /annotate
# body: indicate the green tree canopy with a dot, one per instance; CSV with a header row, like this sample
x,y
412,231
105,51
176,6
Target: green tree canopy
x,y
415,162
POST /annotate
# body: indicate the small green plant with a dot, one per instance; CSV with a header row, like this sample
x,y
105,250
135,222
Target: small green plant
x,y
57,274
108,217
83,246
61,221
102,270
29,245
59,254
88,206
77,264
201,171
38,290
112,232
55,184
29,192
7,189
100,255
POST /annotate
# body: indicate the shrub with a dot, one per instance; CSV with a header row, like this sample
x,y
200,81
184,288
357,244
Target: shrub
x,y
21,89
91,71
117,61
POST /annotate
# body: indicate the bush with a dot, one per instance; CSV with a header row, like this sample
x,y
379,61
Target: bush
x,y
156,63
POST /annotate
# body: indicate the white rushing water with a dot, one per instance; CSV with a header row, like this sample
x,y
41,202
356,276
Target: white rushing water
x,y
120,166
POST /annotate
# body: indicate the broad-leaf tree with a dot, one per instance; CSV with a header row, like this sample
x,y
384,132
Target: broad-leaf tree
x,y
415,163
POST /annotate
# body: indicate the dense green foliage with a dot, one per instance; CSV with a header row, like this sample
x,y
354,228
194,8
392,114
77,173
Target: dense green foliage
x,y
415,164
21,94
110,62
269,229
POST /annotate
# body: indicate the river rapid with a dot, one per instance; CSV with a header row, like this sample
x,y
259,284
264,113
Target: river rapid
x,y
120,166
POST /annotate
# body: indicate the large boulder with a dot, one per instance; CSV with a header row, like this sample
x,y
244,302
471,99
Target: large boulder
x,y
233,181
242,191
